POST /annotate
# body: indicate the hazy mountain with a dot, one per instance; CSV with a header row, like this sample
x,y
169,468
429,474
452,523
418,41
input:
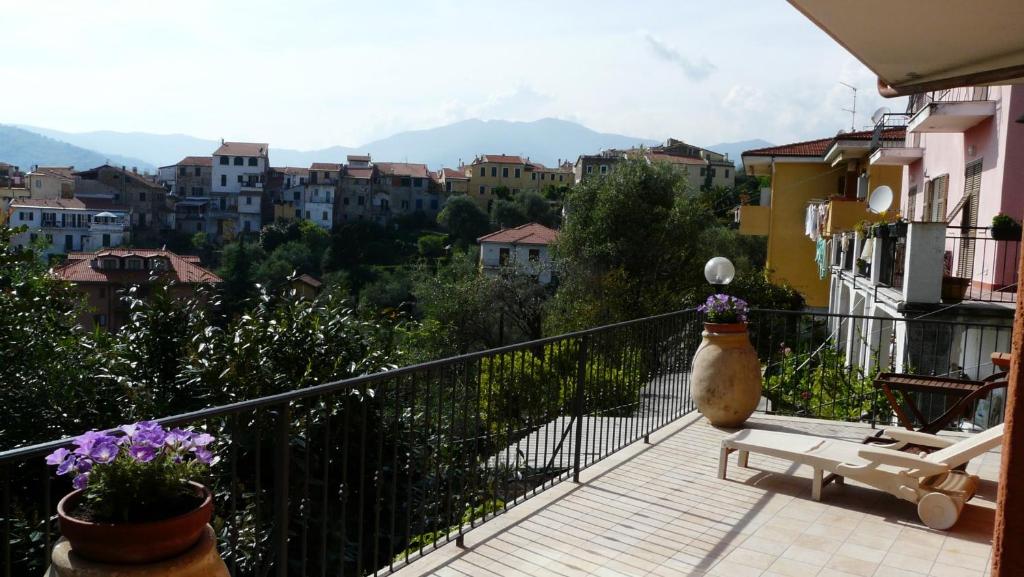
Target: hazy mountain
x,y
25,149
545,141
735,150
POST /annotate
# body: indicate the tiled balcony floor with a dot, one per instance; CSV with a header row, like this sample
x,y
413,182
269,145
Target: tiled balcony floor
x,y
659,510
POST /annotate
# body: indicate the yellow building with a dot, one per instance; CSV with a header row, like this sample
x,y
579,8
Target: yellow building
x,y
515,173
835,171
49,182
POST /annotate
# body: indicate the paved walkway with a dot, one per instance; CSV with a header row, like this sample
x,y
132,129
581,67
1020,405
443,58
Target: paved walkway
x,y
659,510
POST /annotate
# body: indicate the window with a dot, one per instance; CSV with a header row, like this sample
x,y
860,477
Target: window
x,y
295,196
518,173
483,189
503,256
515,191
39,183
504,172
239,178
142,197
133,263
197,191
198,171
405,181
552,177
181,190
534,255
183,171
199,227
448,187
604,169
533,176
912,204
344,201
419,204
713,173
360,201
482,172
247,227
223,180
433,204
590,169
560,177
703,171
225,160
494,171
935,199
239,161
324,216
248,200
253,161
727,173
307,215
298,213
405,205
417,182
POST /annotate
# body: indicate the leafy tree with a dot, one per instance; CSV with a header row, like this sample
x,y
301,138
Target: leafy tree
x,y
239,262
507,214
464,220
392,289
630,245
431,246
502,192
536,209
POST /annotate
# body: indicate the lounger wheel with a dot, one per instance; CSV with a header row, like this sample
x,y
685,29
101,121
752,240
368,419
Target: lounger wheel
x,y
938,511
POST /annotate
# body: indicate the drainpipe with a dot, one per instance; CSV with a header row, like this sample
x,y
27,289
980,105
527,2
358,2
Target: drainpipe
x,y
1007,554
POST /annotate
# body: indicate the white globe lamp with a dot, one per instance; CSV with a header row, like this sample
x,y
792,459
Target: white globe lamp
x,y
719,271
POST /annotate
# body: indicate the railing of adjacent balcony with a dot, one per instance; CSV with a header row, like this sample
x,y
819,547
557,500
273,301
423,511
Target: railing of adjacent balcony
x,y
892,263
889,131
364,475
979,267
823,365
959,94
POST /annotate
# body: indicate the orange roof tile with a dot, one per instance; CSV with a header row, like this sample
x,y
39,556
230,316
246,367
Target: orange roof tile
x,y
452,174
196,161
529,233
404,169
501,159
676,159
184,269
325,166
820,146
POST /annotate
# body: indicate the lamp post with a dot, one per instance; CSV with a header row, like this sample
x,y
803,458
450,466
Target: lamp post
x,y
719,272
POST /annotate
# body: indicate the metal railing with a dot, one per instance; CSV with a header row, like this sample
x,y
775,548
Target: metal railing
x,y
889,131
364,475
893,261
978,267
959,94
823,365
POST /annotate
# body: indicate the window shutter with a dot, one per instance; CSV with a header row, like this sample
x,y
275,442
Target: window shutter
x,y
941,186
912,204
926,215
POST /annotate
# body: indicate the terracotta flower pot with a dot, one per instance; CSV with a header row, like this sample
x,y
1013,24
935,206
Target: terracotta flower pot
x,y
725,383
134,542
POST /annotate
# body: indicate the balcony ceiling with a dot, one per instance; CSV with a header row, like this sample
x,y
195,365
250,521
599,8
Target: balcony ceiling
x,y
919,45
896,156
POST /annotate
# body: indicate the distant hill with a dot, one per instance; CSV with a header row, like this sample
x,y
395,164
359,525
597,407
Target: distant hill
x,y
735,149
545,140
25,149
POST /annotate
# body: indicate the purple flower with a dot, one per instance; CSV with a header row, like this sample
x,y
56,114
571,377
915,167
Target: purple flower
x,y
149,433
87,440
80,481
203,455
57,457
104,452
202,439
142,453
68,465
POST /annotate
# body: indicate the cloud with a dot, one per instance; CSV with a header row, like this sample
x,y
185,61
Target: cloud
x,y
694,70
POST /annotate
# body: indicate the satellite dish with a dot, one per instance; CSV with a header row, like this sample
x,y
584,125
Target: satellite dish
x,y
880,199
876,117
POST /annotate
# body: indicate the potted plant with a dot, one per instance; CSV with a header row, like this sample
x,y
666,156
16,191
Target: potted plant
x,y
725,381
898,229
954,288
136,498
1005,227
863,267
881,230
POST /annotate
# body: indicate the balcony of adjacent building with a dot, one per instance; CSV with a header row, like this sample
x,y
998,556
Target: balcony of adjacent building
x,y
950,111
108,222
893,152
250,182
580,454
924,263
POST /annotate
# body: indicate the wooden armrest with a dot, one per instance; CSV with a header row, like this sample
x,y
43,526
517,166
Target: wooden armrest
x,y
882,456
916,438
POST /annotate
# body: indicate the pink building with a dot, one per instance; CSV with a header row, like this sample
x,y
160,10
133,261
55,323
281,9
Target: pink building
x,y
969,167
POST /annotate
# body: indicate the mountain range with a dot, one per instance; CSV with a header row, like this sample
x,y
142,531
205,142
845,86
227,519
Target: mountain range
x,y
546,140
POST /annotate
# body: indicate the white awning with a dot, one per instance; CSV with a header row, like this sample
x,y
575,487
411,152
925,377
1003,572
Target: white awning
x,y
923,45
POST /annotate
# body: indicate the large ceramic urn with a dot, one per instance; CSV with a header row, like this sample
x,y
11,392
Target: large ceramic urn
x,y
726,379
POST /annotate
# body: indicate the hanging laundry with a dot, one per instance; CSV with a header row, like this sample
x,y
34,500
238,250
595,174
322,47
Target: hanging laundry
x,y
811,219
819,257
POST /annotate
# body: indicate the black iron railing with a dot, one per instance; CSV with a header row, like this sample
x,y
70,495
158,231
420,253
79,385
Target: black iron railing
x,y
959,94
361,476
978,267
892,263
823,365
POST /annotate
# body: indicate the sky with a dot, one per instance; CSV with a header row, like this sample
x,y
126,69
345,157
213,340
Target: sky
x,y
308,74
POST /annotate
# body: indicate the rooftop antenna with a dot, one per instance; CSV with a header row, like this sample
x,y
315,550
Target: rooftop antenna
x,y
853,110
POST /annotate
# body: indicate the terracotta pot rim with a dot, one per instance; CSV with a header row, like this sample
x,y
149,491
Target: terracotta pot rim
x,y
726,327
74,496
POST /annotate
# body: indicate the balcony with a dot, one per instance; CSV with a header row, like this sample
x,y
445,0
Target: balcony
x,y
953,110
892,152
466,458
